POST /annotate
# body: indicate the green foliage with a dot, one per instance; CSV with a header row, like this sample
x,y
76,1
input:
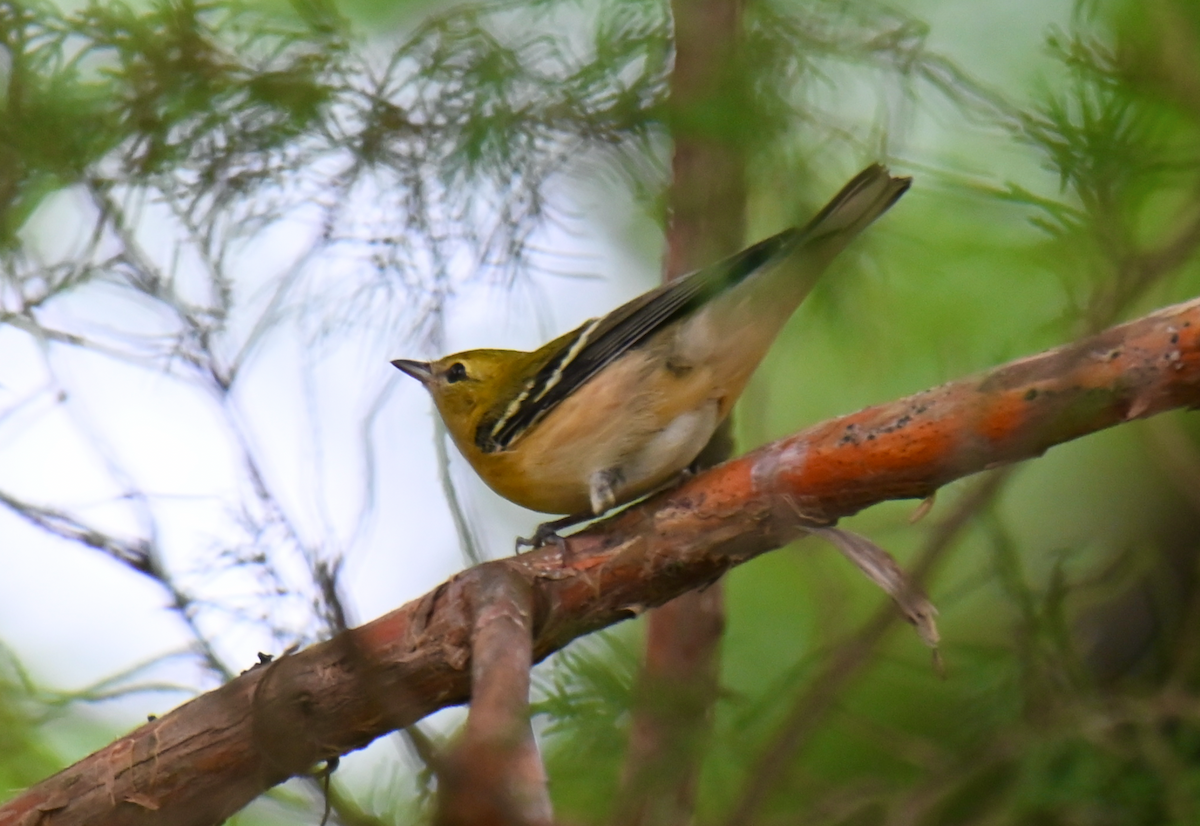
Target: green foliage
x,y
211,89
236,115
1069,603
24,758
584,699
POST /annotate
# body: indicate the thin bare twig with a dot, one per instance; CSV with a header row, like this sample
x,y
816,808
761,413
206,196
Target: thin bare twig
x,y
811,706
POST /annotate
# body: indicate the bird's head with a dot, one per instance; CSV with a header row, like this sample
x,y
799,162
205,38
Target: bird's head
x,y
466,385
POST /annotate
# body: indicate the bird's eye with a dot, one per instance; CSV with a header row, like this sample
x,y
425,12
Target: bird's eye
x,y
456,372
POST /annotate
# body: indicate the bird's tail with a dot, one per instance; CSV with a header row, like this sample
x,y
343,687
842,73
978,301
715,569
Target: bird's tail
x,y
809,249
867,196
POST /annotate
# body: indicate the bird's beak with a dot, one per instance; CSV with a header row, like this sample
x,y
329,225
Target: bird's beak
x,y
419,370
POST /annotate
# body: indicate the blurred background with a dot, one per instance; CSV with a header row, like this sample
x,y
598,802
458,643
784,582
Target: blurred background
x,y
219,221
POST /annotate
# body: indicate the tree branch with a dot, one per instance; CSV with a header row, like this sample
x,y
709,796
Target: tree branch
x,y
495,775
212,755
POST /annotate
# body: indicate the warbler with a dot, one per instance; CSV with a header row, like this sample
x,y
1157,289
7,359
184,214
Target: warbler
x,y
623,404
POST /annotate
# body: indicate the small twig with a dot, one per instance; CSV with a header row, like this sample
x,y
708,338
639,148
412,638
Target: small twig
x,y
881,568
462,523
135,554
821,695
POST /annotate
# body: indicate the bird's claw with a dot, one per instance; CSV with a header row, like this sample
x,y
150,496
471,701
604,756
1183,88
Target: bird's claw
x,y
546,534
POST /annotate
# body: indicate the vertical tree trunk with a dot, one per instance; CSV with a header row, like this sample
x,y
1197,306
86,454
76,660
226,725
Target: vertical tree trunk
x,y
678,684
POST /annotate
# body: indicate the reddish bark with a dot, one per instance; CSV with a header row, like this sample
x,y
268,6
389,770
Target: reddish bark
x,y
495,775
212,755
708,113
673,704
677,686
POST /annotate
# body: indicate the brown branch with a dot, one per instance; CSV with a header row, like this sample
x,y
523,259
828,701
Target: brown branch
x,y
212,755
495,775
673,701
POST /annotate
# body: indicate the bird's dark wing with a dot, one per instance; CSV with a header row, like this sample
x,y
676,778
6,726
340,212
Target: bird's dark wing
x,y
602,341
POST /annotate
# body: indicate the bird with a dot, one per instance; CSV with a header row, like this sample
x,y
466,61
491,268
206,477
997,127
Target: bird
x,y
622,405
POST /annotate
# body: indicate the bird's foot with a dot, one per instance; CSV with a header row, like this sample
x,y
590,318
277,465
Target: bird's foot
x,y
544,535
547,534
